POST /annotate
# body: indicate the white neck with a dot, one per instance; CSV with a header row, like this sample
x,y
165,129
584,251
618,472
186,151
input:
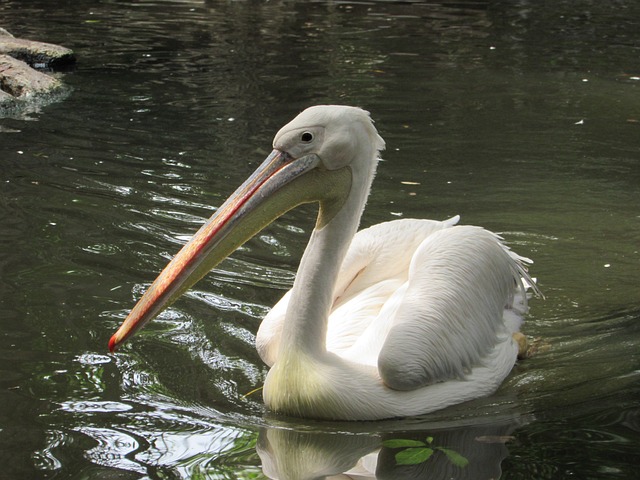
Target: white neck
x,y
305,324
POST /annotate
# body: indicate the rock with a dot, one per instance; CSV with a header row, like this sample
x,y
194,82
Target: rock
x,y
5,98
36,54
23,89
21,81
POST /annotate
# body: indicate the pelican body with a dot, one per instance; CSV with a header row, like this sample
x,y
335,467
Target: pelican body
x,y
403,318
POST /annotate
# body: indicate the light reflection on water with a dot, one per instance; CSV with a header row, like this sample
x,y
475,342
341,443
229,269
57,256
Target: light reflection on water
x,y
522,118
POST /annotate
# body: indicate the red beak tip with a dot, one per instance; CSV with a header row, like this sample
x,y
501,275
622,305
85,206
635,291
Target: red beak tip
x,y
112,344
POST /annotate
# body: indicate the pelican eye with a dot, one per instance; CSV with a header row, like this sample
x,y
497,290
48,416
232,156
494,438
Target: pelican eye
x,y
306,137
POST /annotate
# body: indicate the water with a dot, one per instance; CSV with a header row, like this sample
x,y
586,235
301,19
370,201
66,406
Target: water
x,y
521,117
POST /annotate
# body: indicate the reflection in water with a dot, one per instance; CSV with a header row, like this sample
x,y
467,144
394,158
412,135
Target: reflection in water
x,y
286,454
45,459
289,454
112,449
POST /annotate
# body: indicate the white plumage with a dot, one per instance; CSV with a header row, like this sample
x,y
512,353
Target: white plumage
x,y
424,307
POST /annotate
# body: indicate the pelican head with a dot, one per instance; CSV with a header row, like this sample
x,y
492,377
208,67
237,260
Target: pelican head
x,y
323,155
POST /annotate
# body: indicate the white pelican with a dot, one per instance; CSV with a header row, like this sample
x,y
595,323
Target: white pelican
x,y
400,319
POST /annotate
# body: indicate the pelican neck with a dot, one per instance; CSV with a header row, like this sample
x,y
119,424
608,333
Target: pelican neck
x,y
305,324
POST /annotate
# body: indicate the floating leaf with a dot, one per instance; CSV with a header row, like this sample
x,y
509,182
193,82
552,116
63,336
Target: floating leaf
x,y
454,457
413,456
403,443
416,451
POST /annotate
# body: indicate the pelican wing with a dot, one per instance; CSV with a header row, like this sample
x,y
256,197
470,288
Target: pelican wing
x,y
425,303
452,315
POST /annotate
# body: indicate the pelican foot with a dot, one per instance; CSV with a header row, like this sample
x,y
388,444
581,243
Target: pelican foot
x,y
523,345
528,348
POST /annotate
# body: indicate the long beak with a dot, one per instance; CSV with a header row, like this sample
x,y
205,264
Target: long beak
x,y
278,185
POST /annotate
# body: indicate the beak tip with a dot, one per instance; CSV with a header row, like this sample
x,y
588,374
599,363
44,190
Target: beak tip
x,y
113,343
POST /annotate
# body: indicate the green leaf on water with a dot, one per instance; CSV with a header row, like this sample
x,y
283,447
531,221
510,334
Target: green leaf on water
x,y
454,457
403,443
413,456
416,451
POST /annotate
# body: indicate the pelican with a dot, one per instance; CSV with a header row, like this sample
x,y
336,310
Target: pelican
x,y
403,318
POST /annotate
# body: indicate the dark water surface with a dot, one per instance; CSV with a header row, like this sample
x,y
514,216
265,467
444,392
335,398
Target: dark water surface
x,y
521,116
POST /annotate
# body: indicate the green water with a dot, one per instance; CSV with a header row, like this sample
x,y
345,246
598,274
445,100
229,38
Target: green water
x,y
523,117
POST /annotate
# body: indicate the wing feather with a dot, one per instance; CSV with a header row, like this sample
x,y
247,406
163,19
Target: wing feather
x,y
460,281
